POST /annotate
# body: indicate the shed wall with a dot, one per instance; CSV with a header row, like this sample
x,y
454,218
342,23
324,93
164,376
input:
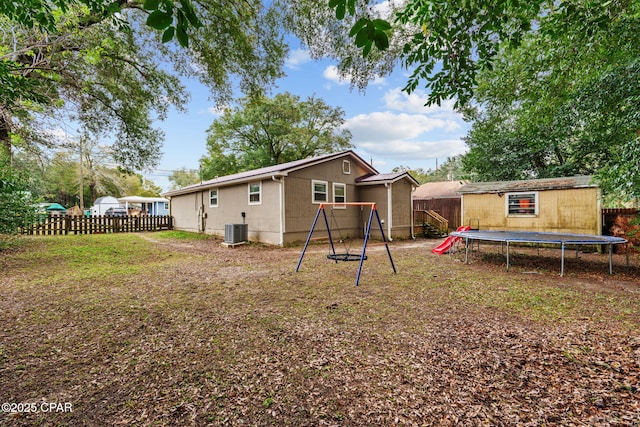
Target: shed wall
x,y
566,211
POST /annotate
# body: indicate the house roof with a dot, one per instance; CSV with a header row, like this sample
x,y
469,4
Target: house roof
x,y
583,181
382,178
438,190
269,171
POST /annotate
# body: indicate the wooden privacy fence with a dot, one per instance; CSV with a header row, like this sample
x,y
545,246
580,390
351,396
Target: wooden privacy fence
x,y
56,225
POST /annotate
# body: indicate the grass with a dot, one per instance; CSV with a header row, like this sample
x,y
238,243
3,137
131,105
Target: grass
x,y
170,328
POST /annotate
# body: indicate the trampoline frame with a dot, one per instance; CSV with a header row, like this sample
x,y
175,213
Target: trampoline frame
x,y
562,239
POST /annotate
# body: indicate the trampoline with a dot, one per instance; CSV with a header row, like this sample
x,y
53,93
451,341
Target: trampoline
x,y
561,239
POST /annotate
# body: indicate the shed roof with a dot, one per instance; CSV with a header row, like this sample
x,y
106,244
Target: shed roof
x,y
269,171
438,190
581,181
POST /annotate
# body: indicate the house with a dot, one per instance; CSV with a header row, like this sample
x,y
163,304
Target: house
x,y
147,205
441,197
278,203
564,205
101,205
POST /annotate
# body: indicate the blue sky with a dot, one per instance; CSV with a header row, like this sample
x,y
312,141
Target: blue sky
x,y
388,126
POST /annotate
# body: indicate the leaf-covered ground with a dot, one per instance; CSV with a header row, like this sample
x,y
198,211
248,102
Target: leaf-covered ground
x,y
151,329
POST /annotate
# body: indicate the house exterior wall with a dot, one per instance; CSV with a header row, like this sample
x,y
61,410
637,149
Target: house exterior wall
x,y
402,209
186,213
563,211
300,210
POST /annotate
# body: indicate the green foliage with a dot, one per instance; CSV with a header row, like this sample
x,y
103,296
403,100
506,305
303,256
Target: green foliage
x,y
17,205
268,131
183,177
450,170
563,105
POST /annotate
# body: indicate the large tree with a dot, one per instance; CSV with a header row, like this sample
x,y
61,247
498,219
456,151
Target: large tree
x,y
266,131
110,73
562,105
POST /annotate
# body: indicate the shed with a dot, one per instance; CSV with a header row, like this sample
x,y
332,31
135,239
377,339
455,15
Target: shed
x,y
441,197
101,205
563,205
280,202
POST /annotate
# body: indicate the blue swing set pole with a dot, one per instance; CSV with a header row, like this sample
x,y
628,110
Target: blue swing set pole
x,y
315,221
366,240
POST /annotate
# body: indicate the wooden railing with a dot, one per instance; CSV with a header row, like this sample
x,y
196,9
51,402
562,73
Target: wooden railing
x,y
440,223
62,225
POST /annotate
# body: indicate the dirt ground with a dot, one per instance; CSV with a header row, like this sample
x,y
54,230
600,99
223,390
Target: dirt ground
x,y
209,335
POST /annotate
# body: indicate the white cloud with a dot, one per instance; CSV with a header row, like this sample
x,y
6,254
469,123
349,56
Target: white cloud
x,y
296,58
332,74
394,139
415,102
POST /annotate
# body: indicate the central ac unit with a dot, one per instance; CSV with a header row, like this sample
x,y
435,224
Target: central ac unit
x,y
236,233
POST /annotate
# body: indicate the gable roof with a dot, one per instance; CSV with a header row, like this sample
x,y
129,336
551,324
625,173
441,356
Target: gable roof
x,y
438,190
582,181
267,172
383,178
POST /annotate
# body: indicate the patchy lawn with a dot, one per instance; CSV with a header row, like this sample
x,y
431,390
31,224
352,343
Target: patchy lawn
x,y
168,329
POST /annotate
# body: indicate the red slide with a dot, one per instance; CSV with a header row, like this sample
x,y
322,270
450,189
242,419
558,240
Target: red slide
x,y
448,243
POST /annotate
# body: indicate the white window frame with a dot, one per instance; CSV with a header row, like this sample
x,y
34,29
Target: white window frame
x,y
346,167
339,185
259,193
211,205
536,205
313,191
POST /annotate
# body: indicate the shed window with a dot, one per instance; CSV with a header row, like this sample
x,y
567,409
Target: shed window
x,y
255,190
339,193
346,167
522,204
213,198
319,190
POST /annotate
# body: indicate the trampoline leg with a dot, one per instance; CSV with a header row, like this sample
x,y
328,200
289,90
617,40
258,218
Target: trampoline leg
x,y
507,255
610,259
466,250
562,261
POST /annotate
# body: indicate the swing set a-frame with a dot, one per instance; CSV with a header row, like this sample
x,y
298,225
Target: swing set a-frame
x,y
348,256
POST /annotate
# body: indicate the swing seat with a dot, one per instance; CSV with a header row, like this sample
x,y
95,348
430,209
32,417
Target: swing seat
x,y
346,257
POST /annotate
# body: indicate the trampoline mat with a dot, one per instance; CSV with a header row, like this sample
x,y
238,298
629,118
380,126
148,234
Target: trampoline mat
x,y
539,237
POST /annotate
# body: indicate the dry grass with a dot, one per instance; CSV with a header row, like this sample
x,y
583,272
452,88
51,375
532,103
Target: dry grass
x,y
161,329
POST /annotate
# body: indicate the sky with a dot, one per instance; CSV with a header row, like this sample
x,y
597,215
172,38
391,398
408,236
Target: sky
x,y
389,127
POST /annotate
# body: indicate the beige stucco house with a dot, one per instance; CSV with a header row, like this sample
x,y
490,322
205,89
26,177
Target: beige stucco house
x,y
564,205
278,203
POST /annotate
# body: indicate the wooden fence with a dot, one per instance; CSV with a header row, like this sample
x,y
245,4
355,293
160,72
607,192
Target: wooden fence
x,y
57,225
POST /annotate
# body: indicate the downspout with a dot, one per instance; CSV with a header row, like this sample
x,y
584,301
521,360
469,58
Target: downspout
x,y
389,210
281,207
413,235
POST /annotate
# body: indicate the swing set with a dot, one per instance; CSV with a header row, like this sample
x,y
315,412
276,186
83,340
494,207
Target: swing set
x,y
347,255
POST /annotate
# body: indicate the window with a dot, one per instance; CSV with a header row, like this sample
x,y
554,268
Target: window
x,y
522,204
255,190
319,190
340,193
213,198
346,167
166,206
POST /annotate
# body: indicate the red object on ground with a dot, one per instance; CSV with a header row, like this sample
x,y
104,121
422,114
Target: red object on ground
x,y
448,243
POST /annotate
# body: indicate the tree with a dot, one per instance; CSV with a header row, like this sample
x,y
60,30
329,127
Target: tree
x,y
183,177
268,131
17,204
450,170
562,106
91,70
